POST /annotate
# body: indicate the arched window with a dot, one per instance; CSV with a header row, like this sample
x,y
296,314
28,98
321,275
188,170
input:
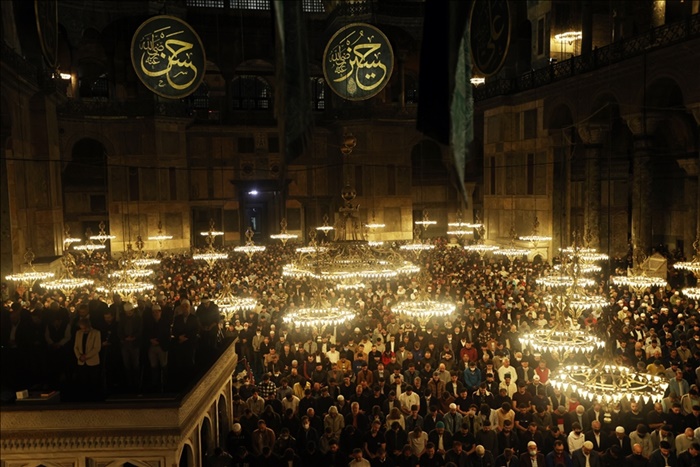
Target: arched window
x,y
318,93
250,92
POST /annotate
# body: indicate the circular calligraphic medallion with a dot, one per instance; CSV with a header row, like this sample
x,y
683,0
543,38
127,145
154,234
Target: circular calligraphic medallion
x,y
46,14
490,31
168,57
358,62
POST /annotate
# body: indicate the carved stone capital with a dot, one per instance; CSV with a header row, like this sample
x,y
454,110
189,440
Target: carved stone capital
x,y
695,111
593,133
642,125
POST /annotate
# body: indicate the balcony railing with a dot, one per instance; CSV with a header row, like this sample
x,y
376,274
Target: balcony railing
x,y
136,108
616,52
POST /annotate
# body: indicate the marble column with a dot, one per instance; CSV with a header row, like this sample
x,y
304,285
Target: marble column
x,y
642,127
692,189
593,136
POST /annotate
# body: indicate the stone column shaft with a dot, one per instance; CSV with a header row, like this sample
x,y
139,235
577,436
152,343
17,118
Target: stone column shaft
x,y
593,135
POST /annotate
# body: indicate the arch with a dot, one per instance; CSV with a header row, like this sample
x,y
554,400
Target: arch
x,y
222,419
87,165
251,92
663,93
186,456
605,108
71,141
559,117
206,439
123,462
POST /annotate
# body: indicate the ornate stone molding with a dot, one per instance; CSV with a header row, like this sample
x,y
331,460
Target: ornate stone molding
x,y
642,125
77,442
593,133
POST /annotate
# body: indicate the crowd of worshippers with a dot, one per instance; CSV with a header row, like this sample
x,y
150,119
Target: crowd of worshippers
x,y
380,390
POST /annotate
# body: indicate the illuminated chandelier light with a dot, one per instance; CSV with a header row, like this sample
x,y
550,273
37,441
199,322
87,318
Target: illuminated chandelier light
x,y
559,281
562,341
692,292
145,262
102,236
67,239
459,228
250,248
608,383
347,259
569,36
481,249
209,254
375,243
284,236
417,246
89,247
125,287
319,314
535,238
160,237
30,275
66,283
230,304
511,252
636,278
425,222
311,249
575,302
212,233
325,228
423,310
373,224
694,264
583,268
135,273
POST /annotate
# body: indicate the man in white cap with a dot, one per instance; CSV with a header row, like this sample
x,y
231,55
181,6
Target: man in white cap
x,y
621,439
533,457
452,419
586,456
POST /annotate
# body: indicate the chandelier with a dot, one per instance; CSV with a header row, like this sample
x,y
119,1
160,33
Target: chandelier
x,y
160,236
583,268
30,275
230,303
423,309
145,262
348,259
250,248
636,279
67,239
608,383
693,267
562,340
325,228
425,221
373,224
319,314
460,229
535,238
66,283
417,246
209,254
563,281
127,278
511,252
89,246
284,236
102,236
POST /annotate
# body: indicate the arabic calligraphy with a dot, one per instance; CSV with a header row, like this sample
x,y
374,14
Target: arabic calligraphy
x,y
490,30
358,61
168,56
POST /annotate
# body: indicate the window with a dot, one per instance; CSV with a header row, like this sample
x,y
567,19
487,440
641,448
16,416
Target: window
x,y
251,93
250,4
318,93
411,89
530,124
391,179
134,184
97,89
206,3
312,6
273,144
540,36
199,100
